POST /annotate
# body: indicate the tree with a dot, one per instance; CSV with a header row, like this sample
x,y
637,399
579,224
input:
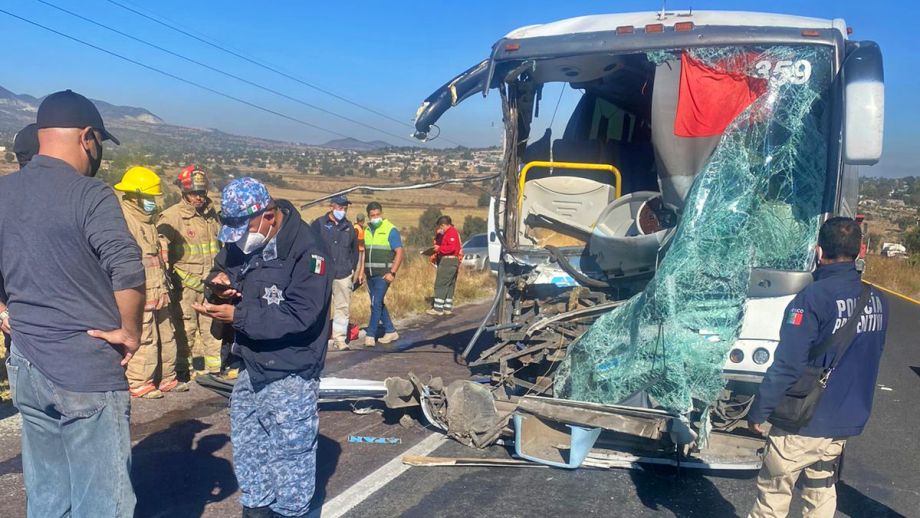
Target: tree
x,y
904,222
912,240
429,219
484,200
473,225
421,235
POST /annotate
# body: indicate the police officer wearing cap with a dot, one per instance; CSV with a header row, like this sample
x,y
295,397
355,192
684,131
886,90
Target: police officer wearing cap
x,y
346,267
272,285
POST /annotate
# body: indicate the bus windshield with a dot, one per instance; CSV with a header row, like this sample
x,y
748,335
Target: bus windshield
x,y
744,173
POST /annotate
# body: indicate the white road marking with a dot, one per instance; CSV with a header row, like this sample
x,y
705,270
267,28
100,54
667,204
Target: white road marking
x,y
359,492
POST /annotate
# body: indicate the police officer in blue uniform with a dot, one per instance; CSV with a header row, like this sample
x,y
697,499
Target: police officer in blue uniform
x,y
818,311
275,292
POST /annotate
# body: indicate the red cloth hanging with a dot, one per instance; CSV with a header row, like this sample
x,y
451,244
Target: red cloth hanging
x,y
711,97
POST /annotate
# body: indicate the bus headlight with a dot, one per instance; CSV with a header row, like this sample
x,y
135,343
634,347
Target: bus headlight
x,y
736,356
761,356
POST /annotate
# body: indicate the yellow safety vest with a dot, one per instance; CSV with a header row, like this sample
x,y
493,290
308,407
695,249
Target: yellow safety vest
x,y
378,255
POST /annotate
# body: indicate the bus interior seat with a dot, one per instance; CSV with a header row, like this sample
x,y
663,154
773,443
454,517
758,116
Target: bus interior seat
x,y
678,159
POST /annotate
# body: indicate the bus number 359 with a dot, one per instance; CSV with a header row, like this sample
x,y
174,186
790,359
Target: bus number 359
x,y
794,72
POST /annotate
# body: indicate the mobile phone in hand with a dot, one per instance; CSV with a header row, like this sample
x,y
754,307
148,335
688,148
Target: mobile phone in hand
x,y
217,287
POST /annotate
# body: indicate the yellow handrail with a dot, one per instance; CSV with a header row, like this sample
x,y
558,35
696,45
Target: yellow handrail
x,y
568,165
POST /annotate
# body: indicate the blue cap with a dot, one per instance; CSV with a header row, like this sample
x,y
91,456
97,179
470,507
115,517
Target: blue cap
x,y
341,199
240,200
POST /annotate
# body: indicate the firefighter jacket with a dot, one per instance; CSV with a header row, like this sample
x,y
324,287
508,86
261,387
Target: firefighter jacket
x,y
142,228
192,238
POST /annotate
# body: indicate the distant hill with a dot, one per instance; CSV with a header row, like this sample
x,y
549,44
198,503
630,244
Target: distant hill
x,y
135,127
139,127
353,144
17,110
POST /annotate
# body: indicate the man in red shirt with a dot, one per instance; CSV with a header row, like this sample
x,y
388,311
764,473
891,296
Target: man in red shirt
x,y
448,252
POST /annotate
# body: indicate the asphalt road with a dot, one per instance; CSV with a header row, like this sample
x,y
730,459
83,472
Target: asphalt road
x,y
881,477
182,455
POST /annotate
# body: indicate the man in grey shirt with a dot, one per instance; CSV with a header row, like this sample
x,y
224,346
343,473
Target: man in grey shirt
x,y
74,286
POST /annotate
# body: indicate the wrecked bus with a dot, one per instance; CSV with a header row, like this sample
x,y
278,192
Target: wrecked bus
x,y
646,253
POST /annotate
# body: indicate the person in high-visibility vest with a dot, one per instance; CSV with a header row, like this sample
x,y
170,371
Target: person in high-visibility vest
x,y
383,255
191,228
158,341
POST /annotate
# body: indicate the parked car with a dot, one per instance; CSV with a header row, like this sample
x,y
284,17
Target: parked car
x,y
476,252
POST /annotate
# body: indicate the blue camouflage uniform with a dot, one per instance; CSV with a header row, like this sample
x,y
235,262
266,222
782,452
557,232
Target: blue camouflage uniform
x,y
281,324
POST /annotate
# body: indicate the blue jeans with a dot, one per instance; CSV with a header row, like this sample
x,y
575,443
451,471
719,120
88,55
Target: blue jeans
x,y
377,288
274,434
76,446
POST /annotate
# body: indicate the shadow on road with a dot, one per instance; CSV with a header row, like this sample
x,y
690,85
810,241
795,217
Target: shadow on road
x,y
174,475
7,409
327,459
853,503
661,488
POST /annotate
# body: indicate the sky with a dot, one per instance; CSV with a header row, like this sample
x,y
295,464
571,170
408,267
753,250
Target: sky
x,y
385,55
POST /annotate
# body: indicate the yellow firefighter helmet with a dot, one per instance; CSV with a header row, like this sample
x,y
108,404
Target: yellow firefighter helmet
x,y
140,180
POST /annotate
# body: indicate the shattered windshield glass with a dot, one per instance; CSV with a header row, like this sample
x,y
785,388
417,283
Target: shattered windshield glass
x,y
756,203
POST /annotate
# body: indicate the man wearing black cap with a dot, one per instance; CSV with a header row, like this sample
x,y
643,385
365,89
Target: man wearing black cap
x,y
75,283
25,144
341,239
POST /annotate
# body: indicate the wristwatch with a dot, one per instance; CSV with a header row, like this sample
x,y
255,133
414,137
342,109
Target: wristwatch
x,y
5,314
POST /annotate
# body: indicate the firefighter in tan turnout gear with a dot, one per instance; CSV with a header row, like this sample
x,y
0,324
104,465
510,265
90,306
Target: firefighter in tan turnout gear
x,y
158,342
191,227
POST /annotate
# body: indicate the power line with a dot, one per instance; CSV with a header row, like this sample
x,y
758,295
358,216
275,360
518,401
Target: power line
x,y
407,187
173,76
225,73
266,66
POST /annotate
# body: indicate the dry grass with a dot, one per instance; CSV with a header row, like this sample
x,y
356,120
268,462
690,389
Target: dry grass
x,y
411,293
403,208
895,274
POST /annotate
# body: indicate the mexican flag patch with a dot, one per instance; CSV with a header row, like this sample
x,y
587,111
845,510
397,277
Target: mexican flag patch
x,y
795,317
317,264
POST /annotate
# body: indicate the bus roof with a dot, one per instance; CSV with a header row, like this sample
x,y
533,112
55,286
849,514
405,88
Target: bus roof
x,y
609,22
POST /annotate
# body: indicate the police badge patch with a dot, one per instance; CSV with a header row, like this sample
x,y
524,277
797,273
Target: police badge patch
x,y
273,295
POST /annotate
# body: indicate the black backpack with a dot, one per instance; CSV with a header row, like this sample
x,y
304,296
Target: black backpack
x,y
798,405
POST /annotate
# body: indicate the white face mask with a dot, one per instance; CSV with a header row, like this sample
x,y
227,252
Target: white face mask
x,y
252,241
149,206
376,221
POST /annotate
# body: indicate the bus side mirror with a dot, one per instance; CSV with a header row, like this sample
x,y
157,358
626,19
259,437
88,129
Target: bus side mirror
x,y
864,95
